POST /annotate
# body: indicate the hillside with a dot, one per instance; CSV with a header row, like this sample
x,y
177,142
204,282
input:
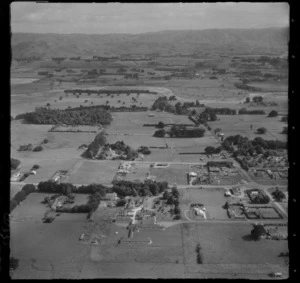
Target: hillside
x,y
259,41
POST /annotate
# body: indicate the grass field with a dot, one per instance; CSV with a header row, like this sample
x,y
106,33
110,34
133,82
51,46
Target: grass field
x,y
226,248
172,174
240,125
94,172
213,200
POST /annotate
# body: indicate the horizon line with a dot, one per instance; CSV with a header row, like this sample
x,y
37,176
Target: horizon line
x,y
147,32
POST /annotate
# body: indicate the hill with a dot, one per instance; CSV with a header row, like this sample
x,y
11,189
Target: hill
x,y
238,41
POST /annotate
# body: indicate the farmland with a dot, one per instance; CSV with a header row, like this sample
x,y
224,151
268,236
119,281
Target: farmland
x,y
146,221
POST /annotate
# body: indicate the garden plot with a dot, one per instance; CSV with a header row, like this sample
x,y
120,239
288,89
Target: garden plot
x,y
227,248
94,172
173,174
213,200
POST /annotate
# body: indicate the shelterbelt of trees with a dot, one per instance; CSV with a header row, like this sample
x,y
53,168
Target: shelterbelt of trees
x,y
108,91
132,108
79,116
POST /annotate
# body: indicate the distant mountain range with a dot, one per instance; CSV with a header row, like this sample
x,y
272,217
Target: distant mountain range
x,y
235,41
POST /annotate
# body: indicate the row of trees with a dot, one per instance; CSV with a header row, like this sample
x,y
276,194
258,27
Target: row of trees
x,y
147,188
244,111
173,199
180,132
21,195
107,91
71,117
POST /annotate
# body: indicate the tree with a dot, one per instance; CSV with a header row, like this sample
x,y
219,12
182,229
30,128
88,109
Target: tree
x,y
273,113
261,130
161,125
160,133
166,195
217,130
171,199
14,163
177,210
175,192
213,116
209,150
257,231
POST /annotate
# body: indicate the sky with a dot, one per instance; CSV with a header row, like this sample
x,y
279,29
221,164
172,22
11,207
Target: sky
x,y
105,18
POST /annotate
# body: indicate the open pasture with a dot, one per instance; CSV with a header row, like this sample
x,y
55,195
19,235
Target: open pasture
x,y
94,172
241,125
227,248
139,172
175,173
47,167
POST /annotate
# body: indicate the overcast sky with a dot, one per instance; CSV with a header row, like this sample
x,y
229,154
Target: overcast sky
x,y
139,18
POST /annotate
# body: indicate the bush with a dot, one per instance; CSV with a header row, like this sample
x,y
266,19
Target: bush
x,y
121,202
13,263
35,167
45,141
14,163
261,130
199,254
273,113
38,148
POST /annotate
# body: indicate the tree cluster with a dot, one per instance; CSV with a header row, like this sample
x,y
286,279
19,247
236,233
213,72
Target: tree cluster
x,y
68,117
147,188
245,111
278,195
93,148
184,132
273,113
144,150
260,198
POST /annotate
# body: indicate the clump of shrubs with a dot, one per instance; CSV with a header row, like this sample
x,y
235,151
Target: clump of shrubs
x,y
38,148
14,163
144,150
